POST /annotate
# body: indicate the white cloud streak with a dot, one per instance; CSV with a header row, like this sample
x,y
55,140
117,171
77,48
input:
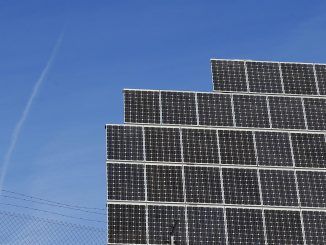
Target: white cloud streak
x,y
21,121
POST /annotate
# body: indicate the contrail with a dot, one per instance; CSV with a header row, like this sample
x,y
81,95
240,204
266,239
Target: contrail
x,y
21,121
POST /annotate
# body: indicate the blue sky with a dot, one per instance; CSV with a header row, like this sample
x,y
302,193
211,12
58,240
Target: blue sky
x,y
111,45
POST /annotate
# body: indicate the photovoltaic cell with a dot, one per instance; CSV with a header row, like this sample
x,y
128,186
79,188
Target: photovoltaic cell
x,y
229,75
315,227
273,149
237,147
142,106
241,186
200,146
286,112
309,150
312,188
178,108
164,183
203,185
126,182
251,111
321,78
214,109
124,143
206,225
162,220
127,224
316,113
245,226
298,78
278,188
283,227
162,144
264,77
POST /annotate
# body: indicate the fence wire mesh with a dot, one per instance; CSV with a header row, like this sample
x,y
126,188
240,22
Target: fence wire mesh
x,y
19,229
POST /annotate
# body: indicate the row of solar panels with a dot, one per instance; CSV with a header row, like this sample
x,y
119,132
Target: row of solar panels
x,y
269,77
205,225
257,167
211,109
193,145
242,186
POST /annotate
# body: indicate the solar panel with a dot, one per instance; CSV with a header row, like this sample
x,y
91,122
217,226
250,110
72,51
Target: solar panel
x,y
251,111
298,78
164,183
229,75
124,143
162,144
178,108
273,149
286,113
206,225
245,164
126,182
321,78
214,109
165,220
283,227
315,227
127,224
316,113
264,77
245,226
200,146
312,188
203,185
278,187
142,106
309,150
241,186
237,147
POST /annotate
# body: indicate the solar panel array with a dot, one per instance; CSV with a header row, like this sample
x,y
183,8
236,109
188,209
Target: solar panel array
x,y
228,109
246,165
269,77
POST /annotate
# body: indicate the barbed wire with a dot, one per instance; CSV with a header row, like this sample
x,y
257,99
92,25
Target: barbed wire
x,y
19,229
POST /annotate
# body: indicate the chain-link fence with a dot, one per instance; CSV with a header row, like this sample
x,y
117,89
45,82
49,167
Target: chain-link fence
x,y
20,229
